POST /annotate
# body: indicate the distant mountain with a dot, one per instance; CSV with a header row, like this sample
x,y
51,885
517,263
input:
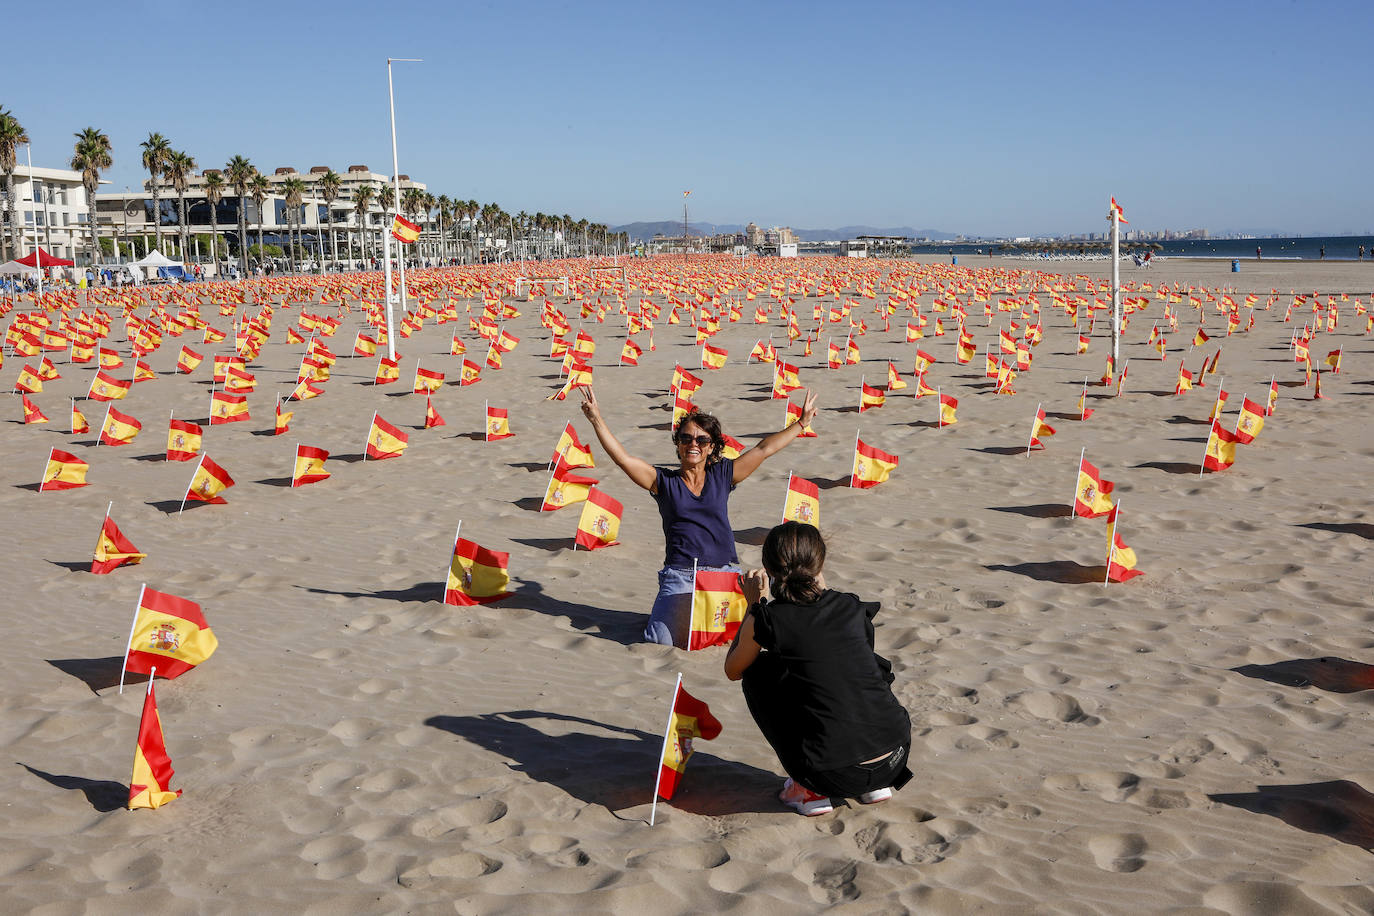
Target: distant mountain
x,y
647,230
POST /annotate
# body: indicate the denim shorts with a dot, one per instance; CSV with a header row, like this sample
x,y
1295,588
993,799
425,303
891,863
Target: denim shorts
x,y
670,621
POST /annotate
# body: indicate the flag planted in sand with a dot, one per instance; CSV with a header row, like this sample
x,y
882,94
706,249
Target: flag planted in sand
x,y
113,549
150,784
64,471
1120,558
802,502
871,466
208,481
688,720
718,608
1092,495
309,466
168,633
384,440
476,575
599,524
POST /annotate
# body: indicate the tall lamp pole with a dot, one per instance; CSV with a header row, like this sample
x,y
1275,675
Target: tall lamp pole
x,y
386,233
685,195
1116,218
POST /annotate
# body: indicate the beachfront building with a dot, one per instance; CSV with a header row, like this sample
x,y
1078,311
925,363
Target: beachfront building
x,y
51,210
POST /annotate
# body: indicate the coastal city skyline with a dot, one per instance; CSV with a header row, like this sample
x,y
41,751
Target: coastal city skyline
x,y
612,117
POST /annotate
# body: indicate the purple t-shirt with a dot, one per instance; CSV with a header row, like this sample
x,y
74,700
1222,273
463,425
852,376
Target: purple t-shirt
x,y
697,527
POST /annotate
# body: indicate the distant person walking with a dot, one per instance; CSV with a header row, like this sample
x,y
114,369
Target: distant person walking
x,y
1259,253
1361,253
1321,252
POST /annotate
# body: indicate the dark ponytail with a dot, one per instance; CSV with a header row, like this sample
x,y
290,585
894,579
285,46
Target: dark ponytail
x,y
793,554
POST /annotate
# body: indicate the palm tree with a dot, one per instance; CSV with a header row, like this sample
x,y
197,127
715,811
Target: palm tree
x,y
214,193
293,189
178,168
329,185
258,189
90,157
156,150
12,136
239,172
362,203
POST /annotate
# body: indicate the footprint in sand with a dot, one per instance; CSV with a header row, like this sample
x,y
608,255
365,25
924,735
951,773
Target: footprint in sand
x,y
464,865
1108,785
1054,707
126,869
694,857
335,856
910,844
830,880
1118,852
1044,674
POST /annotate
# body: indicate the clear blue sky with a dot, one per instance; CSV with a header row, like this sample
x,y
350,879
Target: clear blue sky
x,y
995,118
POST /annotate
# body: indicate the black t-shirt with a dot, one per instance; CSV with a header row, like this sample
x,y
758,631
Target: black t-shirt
x,y
845,712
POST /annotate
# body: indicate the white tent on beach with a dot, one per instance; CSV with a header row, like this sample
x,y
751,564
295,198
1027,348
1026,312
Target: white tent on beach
x,y
153,260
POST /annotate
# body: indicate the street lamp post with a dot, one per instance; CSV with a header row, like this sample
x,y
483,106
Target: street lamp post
x,y
396,187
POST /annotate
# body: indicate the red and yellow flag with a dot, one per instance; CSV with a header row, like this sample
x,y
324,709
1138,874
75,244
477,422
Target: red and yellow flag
x,y
894,378
471,373
1039,429
64,471
208,482
718,607
403,230
1120,558
79,424
565,488
1092,497
1250,422
1221,449
385,440
118,428
388,370
188,360
688,719
432,417
309,466
599,524
477,575
427,380
113,549
948,407
228,408
713,357
108,388
574,453
363,345
183,440
802,503
871,467
283,417
150,784
498,423
870,397
169,634
31,412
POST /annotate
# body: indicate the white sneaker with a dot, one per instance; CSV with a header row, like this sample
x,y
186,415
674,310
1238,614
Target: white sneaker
x,y
803,800
875,797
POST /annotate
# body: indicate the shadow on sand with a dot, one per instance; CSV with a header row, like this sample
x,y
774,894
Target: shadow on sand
x,y
1340,809
1335,675
1066,572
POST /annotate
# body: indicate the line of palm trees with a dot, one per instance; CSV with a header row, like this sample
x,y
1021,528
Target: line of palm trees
x,y
459,226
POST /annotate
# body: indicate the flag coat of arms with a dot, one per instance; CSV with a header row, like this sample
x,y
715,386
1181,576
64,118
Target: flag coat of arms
x,y
1092,497
688,720
183,440
599,524
113,549
169,633
477,575
150,784
64,471
208,482
1120,558
309,466
871,466
385,440
119,428
802,503
718,608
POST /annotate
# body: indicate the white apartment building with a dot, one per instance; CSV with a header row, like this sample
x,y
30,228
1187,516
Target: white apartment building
x,y
50,209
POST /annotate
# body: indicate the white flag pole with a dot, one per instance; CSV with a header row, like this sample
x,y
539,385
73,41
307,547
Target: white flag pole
x,y
939,408
1242,410
457,531
667,733
785,494
1111,541
1211,431
1035,421
151,674
369,435
854,467
188,485
1074,501
124,662
108,508
103,424
861,392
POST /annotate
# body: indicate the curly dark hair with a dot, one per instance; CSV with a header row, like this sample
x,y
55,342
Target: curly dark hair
x,y
709,425
793,554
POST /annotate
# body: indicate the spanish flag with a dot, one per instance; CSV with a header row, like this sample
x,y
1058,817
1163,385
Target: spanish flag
x,y
1092,497
923,389
47,371
870,397
65,471
143,372
113,549
364,345
427,380
1120,558
1333,359
894,378
169,633
149,786
571,449
498,423
304,391
794,412
477,575
283,418
733,448
1219,405
118,428
31,412
718,607
948,406
851,352
388,370
1250,422
913,332
309,466
871,466
239,381
1039,428
1221,449
713,357
688,720
79,424
834,355
403,230
630,353
432,417
385,440
208,482
183,440
565,488
802,503
599,525
1200,338
188,360
228,408
786,379
683,381
471,373
1109,373
965,350
109,359
28,381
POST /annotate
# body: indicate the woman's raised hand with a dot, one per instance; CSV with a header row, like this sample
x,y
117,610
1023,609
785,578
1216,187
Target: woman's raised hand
x,y
589,406
808,412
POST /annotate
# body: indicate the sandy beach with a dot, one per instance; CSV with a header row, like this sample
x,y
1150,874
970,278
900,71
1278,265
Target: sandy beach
x,y
1193,741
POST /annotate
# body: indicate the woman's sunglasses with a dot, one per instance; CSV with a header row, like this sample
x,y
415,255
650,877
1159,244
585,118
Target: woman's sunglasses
x,y
684,439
